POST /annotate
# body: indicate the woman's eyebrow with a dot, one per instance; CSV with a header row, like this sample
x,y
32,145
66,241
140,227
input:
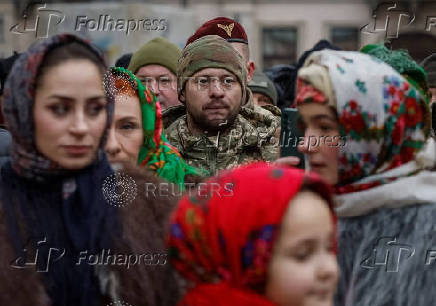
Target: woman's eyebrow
x,y
96,98
67,98
321,117
128,118
60,97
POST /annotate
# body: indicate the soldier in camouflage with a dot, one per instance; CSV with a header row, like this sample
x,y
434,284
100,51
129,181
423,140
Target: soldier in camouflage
x,y
216,130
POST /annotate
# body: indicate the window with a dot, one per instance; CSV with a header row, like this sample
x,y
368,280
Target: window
x,y
346,38
279,46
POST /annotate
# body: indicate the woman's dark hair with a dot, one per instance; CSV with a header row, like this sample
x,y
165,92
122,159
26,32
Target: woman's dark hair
x,y
69,51
124,60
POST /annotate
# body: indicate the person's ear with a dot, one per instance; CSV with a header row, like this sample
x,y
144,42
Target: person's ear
x,y
250,71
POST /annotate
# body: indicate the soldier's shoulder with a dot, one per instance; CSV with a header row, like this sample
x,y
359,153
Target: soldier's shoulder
x,y
262,119
171,114
273,109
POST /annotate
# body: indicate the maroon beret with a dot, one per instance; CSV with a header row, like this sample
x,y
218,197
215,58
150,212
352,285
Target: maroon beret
x,y
227,28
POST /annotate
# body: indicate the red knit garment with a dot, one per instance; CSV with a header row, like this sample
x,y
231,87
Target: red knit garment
x,y
222,238
227,28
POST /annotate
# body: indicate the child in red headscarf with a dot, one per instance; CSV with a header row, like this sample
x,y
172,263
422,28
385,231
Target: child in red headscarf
x,y
257,235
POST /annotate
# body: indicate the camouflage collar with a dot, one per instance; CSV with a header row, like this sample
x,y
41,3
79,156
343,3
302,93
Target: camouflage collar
x,y
241,133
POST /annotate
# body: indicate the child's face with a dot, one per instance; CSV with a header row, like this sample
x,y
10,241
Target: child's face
x,y
322,141
303,270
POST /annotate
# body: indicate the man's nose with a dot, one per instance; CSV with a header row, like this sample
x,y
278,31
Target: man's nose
x,y
216,89
153,85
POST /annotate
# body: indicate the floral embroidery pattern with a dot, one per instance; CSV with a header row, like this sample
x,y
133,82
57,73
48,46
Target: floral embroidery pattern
x,y
385,128
307,93
347,60
361,86
257,252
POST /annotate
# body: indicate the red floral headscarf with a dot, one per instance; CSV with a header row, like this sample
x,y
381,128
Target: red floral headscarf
x,y
384,119
222,239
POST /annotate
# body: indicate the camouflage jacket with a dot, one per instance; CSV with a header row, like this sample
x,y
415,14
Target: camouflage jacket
x,y
252,137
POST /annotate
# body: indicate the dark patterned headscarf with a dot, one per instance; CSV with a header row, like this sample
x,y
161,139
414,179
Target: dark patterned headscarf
x,y
43,202
18,106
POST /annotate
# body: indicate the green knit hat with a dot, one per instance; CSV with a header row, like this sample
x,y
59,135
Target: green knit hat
x,y
402,62
260,83
157,51
429,65
211,51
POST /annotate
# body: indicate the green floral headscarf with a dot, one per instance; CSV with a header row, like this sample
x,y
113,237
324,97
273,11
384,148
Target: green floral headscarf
x,y
156,153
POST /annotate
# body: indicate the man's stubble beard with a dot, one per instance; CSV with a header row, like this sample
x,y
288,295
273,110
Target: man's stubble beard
x,y
209,127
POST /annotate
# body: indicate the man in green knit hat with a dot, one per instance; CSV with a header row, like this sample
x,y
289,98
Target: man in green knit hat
x,y
216,131
155,64
264,92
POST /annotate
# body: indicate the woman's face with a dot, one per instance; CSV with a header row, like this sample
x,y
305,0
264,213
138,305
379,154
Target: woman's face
x,y
321,139
303,270
70,113
125,135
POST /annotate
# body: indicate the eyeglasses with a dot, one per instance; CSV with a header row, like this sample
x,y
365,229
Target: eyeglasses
x,y
205,82
163,83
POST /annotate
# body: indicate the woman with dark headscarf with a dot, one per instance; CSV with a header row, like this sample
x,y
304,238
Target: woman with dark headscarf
x,y
258,235
55,216
57,112
367,132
